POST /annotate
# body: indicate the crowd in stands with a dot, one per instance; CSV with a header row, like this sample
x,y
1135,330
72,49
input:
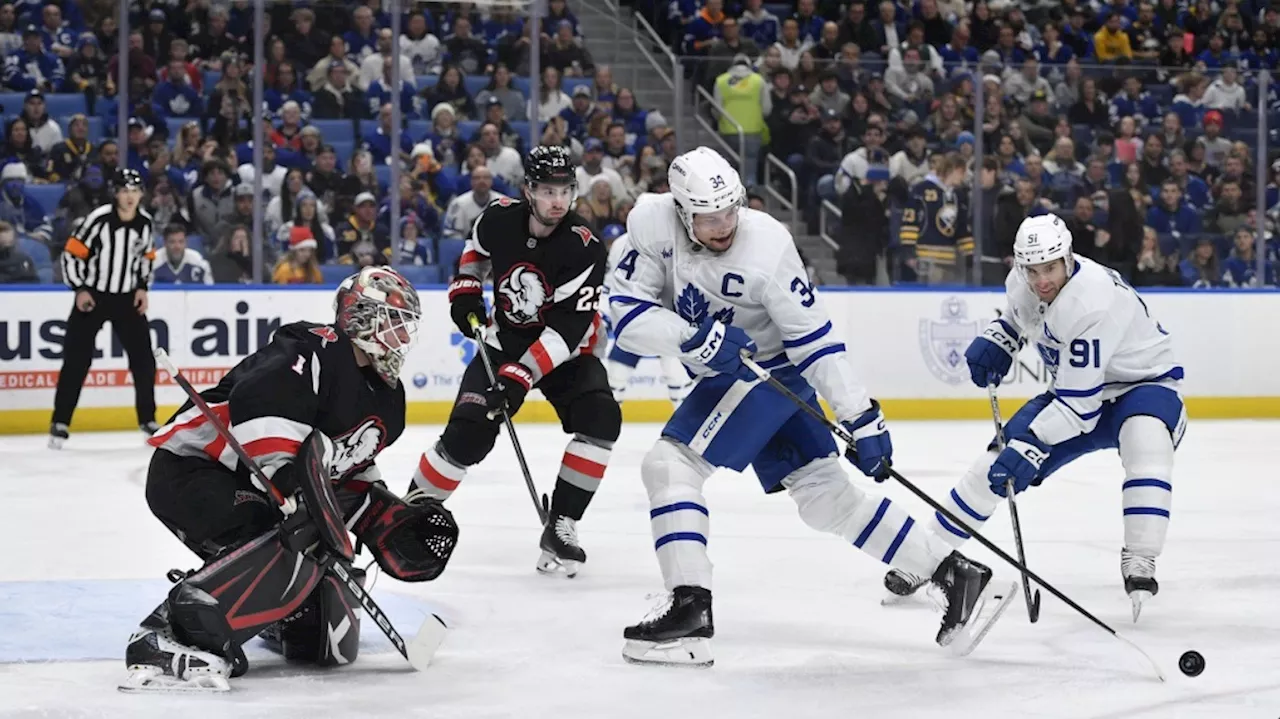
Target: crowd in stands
x,y
465,100
1135,121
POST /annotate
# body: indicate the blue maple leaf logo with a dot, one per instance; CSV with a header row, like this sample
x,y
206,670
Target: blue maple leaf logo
x,y
692,305
724,315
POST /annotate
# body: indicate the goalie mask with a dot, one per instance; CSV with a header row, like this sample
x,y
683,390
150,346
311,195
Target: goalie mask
x,y
378,310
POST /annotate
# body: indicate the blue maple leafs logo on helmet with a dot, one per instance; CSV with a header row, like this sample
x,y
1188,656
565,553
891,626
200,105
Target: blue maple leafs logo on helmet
x,y
694,307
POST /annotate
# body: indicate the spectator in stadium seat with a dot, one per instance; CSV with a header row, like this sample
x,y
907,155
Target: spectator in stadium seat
x,y
299,265
1025,83
1128,144
1188,104
770,63
513,50
1151,163
360,179
1111,42
1194,190
361,226
318,75
211,45
958,53
550,98
415,246
420,46
910,164
452,91
1153,268
211,203
827,148
889,30
362,39
179,264
32,67
306,211
324,178
1236,169
1229,213
1172,215
178,50
502,22
16,266
83,197
292,130
19,147
618,155
579,113
474,157
807,72
20,209
809,20
377,140
231,261
339,98
306,43
557,12
828,47
1226,93
380,92
174,97
377,65
500,87
722,50
1262,53
631,116
790,46
1201,269
855,165
447,145
983,27
1051,51
567,54
1033,169
593,166
68,158
287,89
87,71
463,210
704,29
156,39
164,205
10,40
828,95
272,173
909,84
1240,269
44,132
280,209
1084,230
466,51
598,205
1007,51
503,161
1215,145
758,24
495,113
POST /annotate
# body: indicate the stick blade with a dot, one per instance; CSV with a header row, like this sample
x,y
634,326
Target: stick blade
x,y
422,648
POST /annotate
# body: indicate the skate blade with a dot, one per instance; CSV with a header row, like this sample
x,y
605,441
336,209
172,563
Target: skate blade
x,y
989,608
689,652
56,442
553,566
150,680
1138,596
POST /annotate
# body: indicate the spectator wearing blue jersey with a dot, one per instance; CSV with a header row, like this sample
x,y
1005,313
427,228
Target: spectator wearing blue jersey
x,y
19,208
1262,53
379,92
415,246
704,28
1076,35
58,37
1195,192
173,97
1051,51
630,115
1201,269
1240,269
16,266
1172,215
1133,102
1188,104
377,140
362,39
1216,55
810,21
958,53
32,67
286,88
502,22
179,264
579,114
762,26
558,12
1007,49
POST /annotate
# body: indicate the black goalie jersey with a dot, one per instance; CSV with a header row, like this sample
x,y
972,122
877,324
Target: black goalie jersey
x,y
546,290
935,225
306,378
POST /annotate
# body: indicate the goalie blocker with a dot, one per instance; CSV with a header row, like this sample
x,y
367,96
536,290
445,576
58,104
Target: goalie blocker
x,y
284,580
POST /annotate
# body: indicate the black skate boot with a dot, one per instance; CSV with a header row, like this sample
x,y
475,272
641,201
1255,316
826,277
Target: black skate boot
x,y
972,606
901,585
58,434
1139,574
157,662
677,631
561,554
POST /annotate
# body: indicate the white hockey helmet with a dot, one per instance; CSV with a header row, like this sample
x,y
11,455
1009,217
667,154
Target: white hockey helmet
x,y
1041,239
701,182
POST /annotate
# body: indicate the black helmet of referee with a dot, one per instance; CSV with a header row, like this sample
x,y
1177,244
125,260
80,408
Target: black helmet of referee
x,y
126,179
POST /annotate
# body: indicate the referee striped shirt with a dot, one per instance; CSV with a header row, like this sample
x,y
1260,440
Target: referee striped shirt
x,y
107,255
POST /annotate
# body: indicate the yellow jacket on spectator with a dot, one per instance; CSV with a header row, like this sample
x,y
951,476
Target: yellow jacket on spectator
x,y
1108,46
287,273
743,95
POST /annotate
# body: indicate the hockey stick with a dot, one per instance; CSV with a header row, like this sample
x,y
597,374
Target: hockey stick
x,y
542,507
420,649
1033,603
845,437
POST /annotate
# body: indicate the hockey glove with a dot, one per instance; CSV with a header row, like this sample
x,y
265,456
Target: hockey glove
x,y
507,393
412,541
718,347
872,450
466,298
1020,461
990,355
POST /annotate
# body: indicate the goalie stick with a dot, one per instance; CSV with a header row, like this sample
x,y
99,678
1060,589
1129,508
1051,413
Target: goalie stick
x,y
417,651
1033,602
845,437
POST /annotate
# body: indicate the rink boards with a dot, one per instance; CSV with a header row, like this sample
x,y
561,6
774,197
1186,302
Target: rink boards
x,y
907,345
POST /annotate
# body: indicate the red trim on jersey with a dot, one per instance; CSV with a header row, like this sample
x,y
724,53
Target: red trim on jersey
x,y
540,356
434,477
221,410
470,257
268,445
593,335
582,465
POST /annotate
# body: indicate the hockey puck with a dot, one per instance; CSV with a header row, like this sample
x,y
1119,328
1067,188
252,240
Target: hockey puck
x,y
1191,663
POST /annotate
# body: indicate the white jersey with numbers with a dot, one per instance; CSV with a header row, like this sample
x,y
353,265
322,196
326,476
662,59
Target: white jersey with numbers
x,y
1098,340
664,285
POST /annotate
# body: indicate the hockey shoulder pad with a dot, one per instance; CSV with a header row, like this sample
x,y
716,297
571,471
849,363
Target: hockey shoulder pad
x,y
410,541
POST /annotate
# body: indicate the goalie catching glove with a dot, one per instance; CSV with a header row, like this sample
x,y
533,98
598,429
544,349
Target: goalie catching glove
x,y
411,538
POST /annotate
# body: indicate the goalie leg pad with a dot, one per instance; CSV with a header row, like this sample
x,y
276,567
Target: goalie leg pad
x,y
326,630
411,541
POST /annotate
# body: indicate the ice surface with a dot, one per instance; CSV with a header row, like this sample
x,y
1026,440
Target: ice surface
x,y
801,632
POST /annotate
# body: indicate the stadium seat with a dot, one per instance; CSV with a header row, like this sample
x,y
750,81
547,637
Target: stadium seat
x,y
475,83
468,129
174,124
194,242
521,84
211,78
1163,94
342,151
449,252
1246,119
335,131
11,103
45,274
38,251
47,195
333,274
521,127
418,129
383,173
64,104
425,81
1167,243
420,275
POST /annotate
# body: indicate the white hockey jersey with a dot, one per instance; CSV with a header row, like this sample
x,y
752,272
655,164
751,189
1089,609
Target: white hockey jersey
x,y
664,285
1097,339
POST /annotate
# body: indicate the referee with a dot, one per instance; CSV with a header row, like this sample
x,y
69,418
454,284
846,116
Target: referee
x,y
107,261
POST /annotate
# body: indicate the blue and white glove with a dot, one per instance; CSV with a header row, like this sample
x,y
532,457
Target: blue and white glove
x,y
872,450
1020,461
990,354
719,347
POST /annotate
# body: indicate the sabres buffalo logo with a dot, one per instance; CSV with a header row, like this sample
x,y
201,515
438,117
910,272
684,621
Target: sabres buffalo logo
x,y
357,448
523,293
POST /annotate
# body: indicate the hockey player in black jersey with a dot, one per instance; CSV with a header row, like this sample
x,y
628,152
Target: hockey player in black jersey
x,y
313,409
547,270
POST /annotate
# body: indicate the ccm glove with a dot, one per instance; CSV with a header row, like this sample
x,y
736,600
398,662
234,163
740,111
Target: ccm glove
x,y
872,450
507,392
719,347
990,355
1020,461
466,298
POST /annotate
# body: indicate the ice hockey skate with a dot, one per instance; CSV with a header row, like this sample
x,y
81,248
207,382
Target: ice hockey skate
x,y
59,433
677,632
901,585
158,663
562,556
1139,574
972,605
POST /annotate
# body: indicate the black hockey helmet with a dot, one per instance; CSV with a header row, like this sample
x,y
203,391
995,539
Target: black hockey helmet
x,y
126,179
550,164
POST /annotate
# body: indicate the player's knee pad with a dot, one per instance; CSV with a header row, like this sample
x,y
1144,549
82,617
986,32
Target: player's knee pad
x,y
1146,451
824,496
671,471
326,629
596,415
468,439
